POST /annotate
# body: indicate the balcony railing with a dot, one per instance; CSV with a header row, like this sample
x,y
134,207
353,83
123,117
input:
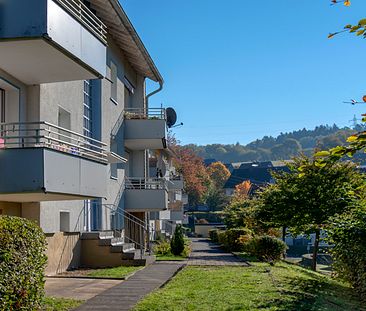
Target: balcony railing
x,y
85,16
145,113
146,184
43,134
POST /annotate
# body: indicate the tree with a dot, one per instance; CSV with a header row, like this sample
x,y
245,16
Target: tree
x,y
216,198
242,190
177,242
196,179
305,198
356,142
219,174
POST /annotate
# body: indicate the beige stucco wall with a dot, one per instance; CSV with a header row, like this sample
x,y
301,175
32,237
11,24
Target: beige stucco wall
x,y
97,256
203,230
10,209
63,252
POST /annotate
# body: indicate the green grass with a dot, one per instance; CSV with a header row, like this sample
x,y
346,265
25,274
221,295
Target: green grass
x,y
60,304
116,273
283,287
170,257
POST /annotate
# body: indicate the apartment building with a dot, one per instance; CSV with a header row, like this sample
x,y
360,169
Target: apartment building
x,y
164,222
76,130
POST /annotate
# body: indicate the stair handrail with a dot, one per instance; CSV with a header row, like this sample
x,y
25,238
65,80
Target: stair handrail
x,y
118,124
145,228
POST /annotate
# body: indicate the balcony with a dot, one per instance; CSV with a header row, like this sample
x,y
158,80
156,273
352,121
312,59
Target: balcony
x,y
44,162
51,41
176,183
145,128
146,195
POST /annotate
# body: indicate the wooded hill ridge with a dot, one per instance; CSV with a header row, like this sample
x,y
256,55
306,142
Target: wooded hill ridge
x,y
282,147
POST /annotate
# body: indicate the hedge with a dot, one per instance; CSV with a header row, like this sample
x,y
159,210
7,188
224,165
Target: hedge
x,y
266,248
230,239
348,235
213,233
22,264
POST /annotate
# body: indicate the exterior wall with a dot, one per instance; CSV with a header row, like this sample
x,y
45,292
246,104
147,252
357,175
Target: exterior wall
x,y
203,230
10,209
63,252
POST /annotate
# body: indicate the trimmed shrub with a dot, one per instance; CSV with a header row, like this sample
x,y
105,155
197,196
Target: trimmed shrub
x,y
266,248
348,234
162,248
177,242
230,239
213,233
221,237
22,264
233,243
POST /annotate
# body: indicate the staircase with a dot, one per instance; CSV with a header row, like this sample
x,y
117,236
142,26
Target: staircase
x,y
111,247
102,249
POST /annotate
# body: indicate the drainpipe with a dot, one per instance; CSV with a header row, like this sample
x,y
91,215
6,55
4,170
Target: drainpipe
x,y
161,84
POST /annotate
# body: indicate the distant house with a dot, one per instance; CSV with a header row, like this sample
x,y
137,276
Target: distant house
x,y
258,173
208,162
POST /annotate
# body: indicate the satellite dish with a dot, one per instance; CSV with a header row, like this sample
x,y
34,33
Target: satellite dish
x,y
171,117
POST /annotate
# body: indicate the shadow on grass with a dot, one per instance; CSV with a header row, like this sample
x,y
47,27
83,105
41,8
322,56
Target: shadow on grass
x,y
311,292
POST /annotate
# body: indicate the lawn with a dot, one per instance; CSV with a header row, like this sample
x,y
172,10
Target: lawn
x,y
170,257
60,304
115,273
259,287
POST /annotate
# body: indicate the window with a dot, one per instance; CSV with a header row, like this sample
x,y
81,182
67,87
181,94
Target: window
x,y
65,221
2,106
88,110
114,82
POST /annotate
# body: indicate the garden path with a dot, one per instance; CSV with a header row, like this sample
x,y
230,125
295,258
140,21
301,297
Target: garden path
x,y
206,253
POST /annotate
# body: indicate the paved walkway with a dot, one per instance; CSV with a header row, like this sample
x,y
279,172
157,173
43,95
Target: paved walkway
x,y
77,288
125,295
205,253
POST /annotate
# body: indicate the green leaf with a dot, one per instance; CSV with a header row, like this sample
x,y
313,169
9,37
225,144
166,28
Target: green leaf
x,y
323,153
362,22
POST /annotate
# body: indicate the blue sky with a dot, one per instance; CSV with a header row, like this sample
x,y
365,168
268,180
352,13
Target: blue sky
x,y
237,70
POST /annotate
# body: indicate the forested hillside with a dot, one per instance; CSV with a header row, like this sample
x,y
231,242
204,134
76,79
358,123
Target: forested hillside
x,y
281,147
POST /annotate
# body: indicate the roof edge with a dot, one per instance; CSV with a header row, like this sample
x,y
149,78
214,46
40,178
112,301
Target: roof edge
x,y
132,31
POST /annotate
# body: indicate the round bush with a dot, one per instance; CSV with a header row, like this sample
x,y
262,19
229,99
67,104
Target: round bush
x,y
22,264
266,248
230,239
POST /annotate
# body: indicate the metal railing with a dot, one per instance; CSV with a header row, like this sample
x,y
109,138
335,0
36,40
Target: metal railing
x,y
84,15
145,113
146,183
111,218
43,134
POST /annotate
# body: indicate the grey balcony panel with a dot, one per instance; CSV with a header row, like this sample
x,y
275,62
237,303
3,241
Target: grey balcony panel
x,y
145,134
144,200
41,41
41,174
175,184
176,215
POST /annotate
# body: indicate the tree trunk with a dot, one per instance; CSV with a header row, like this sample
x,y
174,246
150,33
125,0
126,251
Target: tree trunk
x,y
284,233
316,247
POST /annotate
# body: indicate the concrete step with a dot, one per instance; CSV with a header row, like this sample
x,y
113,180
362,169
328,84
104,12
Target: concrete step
x,y
138,261
96,235
110,241
123,248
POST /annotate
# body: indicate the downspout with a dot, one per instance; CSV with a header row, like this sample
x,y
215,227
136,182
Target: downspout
x,y
161,85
